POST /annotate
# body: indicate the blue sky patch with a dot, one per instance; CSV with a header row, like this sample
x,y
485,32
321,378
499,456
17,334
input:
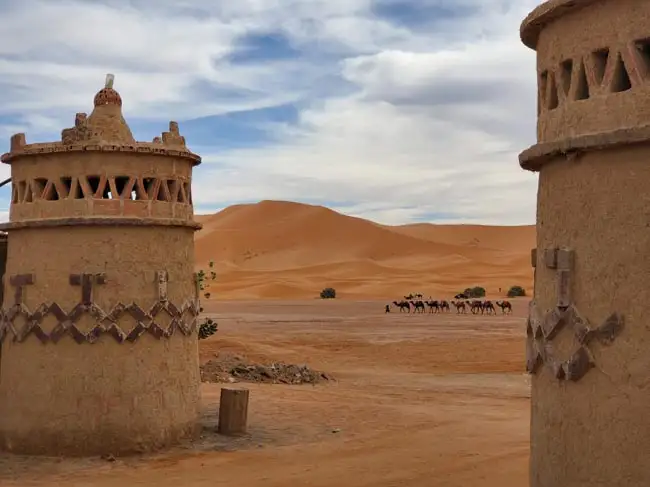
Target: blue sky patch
x,y
263,47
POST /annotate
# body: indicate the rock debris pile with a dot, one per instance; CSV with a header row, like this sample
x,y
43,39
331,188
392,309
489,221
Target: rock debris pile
x,y
233,368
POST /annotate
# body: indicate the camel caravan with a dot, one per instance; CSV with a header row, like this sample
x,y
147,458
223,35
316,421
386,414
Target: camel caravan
x,y
416,304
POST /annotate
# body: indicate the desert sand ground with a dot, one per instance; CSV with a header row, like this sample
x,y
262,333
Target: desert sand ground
x,y
418,401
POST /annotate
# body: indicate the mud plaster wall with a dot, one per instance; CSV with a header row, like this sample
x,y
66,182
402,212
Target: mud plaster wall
x,y
70,398
594,432
571,103
44,178
3,265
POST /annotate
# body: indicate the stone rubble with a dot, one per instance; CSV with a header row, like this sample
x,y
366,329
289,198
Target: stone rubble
x,y
229,368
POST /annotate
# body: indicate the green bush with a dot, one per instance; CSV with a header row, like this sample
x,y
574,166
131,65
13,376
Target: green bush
x,y
207,328
200,277
516,291
475,292
328,293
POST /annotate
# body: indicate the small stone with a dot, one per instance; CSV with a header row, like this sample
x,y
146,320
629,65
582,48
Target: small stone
x,y
336,430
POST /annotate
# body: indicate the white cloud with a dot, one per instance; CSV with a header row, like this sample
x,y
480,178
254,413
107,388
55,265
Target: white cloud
x,y
419,119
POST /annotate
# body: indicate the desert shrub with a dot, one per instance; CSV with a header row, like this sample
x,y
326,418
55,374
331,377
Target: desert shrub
x,y
474,292
200,277
213,275
207,328
328,293
207,295
211,264
516,291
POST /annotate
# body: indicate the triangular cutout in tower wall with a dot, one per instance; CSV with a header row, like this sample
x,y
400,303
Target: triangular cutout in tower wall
x,y
552,101
566,72
582,86
600,59
620,79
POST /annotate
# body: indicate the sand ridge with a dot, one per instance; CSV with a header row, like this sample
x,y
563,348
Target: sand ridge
x,y
286,250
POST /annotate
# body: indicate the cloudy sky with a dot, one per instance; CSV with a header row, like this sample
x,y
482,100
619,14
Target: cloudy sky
x,y
395,110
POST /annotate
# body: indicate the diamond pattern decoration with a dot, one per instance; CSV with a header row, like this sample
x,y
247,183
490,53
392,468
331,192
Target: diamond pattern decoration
x,y
103,187
106,322
599,72
542,328
183,318
541,331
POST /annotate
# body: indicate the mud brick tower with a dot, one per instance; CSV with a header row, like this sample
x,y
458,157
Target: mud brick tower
x,y
99,340
588,330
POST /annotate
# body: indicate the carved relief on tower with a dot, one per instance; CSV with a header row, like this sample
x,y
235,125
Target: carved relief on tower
x,y
562,338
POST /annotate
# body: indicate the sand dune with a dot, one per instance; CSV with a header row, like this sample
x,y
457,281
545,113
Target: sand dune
x,y
276,249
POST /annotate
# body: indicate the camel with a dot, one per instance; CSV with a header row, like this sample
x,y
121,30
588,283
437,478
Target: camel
x,y
488,308
402,305
444,306
461,296
460,306
433,305
505,305
476,306
418,306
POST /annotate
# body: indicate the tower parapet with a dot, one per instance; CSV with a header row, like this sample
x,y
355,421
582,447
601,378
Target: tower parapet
x,y
591,79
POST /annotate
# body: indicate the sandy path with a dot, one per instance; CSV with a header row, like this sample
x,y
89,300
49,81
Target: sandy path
x,y
420,401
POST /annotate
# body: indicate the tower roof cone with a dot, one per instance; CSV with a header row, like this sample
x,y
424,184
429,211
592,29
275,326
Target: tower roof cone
x,y
106,123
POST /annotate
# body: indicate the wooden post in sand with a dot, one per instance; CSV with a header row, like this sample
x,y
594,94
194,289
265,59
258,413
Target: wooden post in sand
x,y
233,411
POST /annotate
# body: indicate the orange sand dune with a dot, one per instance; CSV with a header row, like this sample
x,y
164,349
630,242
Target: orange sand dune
x,y
276,249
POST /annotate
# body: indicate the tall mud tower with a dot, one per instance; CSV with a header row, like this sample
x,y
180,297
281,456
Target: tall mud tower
x,y
99,341
588,330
